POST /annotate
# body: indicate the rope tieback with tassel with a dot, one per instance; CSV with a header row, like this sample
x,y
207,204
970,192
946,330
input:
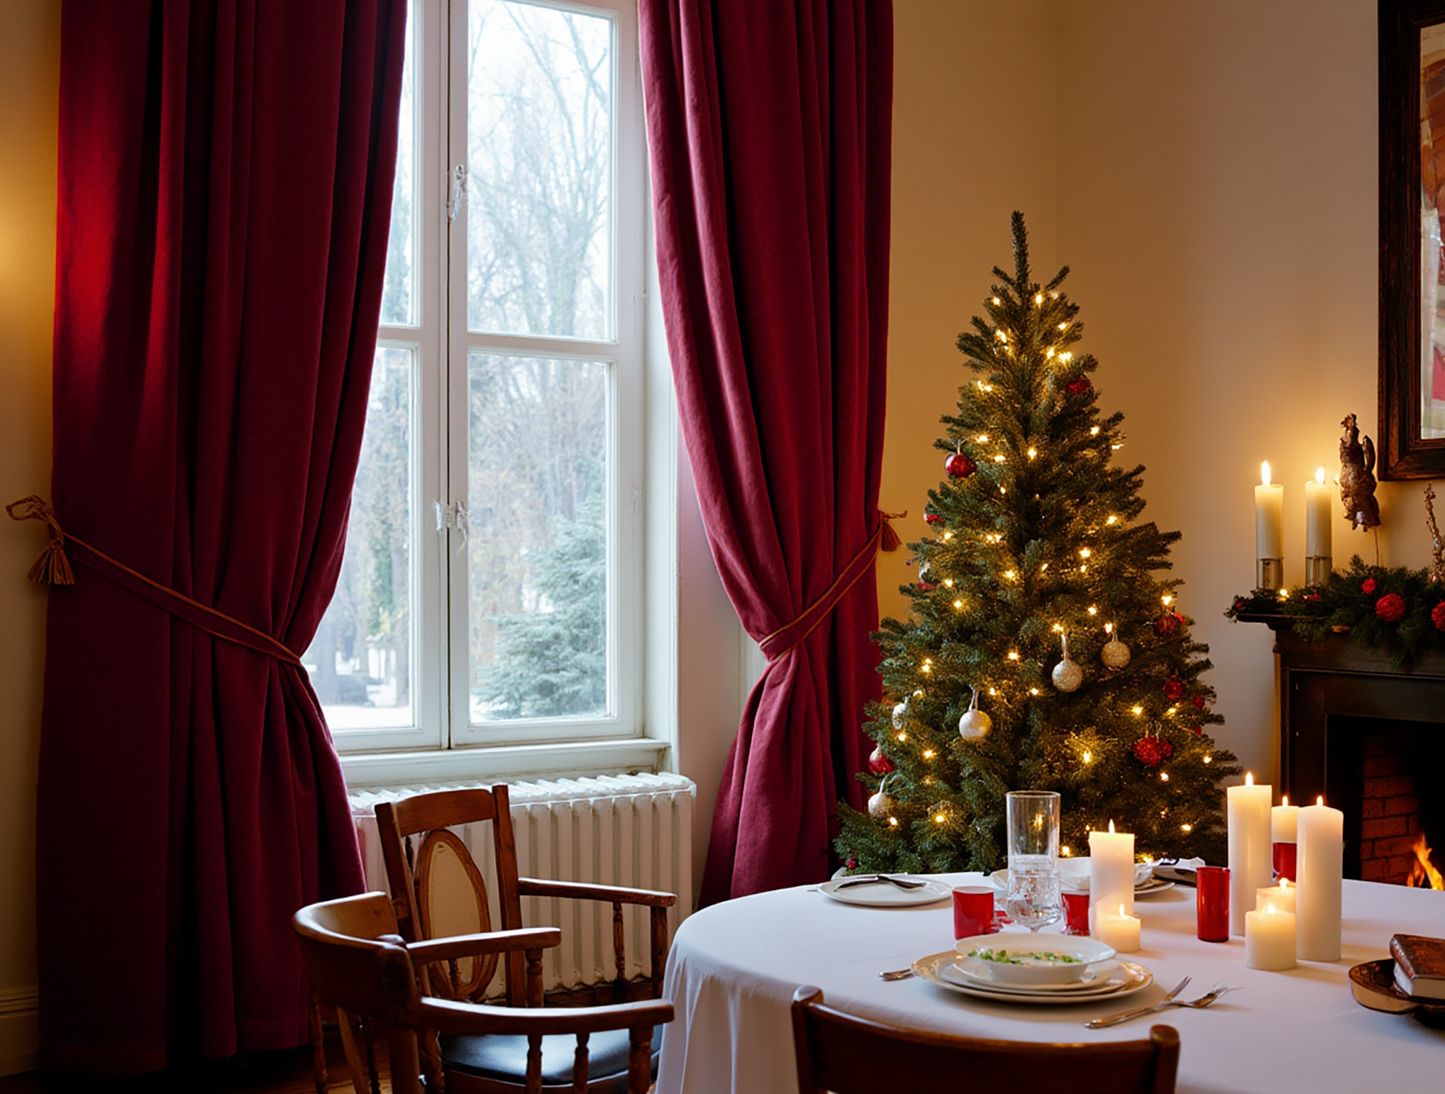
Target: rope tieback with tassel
x,y
52,567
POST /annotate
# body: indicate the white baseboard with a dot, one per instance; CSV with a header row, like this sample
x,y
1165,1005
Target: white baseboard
x,y
19,1031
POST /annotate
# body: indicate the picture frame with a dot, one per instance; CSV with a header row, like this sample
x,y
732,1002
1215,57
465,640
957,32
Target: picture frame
x,y
1412,257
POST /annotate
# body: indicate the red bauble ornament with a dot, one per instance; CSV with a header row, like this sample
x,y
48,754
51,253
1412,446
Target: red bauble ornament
x,y
933,518
1437,616
1367,586
878,763
1151,751
1198,702
1174,689
959,466
926,587
1079,385
1390,607
1168,624
852,863
1198,731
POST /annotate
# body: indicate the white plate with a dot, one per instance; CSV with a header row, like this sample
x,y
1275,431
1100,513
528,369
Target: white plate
x,y
1128,979
1148,887
884,894
975,973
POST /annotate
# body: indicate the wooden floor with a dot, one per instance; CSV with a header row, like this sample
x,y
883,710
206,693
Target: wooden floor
x,y
263,1073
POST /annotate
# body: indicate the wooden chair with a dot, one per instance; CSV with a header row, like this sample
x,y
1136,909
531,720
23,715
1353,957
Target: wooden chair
x,y
846,1054
357,963
438,890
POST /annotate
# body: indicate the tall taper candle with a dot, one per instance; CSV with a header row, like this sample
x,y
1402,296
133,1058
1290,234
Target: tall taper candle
x,y
1321,869
1319,508
1250,865
1269,533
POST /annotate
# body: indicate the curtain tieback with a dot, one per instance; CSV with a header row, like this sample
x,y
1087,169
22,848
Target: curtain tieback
x,y
791,635
53,568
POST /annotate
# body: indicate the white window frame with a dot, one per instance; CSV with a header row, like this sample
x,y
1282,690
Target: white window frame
x,y
441,742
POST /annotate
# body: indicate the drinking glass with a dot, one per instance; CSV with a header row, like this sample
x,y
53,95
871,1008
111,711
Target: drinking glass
x,y
1034,898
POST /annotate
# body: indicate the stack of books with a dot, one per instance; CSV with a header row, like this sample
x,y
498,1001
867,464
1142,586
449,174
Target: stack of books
x,y
1419,965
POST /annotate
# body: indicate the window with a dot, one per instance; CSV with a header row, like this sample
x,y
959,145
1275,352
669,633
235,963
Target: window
x,y
491,592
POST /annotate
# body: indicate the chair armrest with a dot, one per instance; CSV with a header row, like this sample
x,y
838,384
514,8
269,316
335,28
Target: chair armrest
x,y
582,890
448,1016
479,945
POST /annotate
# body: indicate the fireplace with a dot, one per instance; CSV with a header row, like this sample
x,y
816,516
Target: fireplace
x,y
1371,739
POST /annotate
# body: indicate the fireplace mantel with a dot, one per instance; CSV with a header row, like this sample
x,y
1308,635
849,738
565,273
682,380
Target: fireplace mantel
x,y
1326,691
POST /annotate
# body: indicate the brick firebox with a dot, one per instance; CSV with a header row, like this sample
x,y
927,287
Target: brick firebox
x,y
1370,739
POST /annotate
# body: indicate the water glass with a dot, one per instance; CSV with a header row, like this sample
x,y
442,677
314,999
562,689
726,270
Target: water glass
x,y
1034,896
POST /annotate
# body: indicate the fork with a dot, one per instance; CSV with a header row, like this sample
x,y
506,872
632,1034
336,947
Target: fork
x,y
1207,999
1124,1016
875,879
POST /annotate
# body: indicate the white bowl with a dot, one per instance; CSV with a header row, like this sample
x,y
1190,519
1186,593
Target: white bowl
x,y
1034,960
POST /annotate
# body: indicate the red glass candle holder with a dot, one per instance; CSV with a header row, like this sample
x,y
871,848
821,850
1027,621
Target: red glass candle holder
x,y
1284,861
1211,903
1076,913
973,912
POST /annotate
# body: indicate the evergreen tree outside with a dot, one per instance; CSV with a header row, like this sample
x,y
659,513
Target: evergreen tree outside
x,y
1035,546
552,661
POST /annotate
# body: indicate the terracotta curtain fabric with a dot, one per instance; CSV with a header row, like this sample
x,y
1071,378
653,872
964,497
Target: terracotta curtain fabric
x,y
770,132
225,177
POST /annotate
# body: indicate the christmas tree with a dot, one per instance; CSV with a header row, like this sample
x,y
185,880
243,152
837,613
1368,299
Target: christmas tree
x,y
1041,651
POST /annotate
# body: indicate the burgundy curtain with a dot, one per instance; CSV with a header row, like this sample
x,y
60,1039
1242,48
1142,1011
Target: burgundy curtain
x,y
770,132
224,201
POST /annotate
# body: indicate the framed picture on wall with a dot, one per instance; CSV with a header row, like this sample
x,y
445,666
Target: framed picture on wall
x,y
1412,258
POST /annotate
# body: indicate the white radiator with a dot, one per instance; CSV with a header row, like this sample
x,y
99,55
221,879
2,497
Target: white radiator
x,y
633,830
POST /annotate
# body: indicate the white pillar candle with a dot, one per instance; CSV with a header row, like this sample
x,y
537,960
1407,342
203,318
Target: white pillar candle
x,y
1120,931
1283,821
1111,873
1269,939
1251,864
1282,896
1320,865
1318,510
1268,516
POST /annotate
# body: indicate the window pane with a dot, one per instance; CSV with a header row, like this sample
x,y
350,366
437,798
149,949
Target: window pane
x,y
398,301
537,553
360,660
539,151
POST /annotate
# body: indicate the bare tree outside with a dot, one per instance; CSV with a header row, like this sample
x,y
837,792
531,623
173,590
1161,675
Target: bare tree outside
x,y
538,263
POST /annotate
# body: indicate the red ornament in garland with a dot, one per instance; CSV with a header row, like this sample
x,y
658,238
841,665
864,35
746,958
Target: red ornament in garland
x,y
1151,751
1079,385
1168,624
1390,607
1174,689
959,466
878,763
1198,731
1437,616
1367,586
1198,702
933,518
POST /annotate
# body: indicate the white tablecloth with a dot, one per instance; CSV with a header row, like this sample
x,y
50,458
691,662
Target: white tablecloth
x,y
734,966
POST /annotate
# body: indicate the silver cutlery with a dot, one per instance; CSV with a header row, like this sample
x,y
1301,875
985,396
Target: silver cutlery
x,y
1207,999
878,879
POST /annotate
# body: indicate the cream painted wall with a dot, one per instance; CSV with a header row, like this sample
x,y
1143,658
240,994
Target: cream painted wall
x,y
973,140
29,78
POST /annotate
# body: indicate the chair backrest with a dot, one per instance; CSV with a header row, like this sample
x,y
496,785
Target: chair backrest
x,y
354,957
438,890
846,1054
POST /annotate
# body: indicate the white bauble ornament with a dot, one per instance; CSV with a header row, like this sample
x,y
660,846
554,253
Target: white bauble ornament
x,y
880,805
1115,654
1067,674
900,714
975,723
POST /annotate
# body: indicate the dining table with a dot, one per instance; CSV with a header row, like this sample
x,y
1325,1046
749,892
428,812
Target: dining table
x,y
734,966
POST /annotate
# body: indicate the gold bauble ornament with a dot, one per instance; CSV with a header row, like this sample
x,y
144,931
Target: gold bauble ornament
x,y
1067,674
880,805
1115,654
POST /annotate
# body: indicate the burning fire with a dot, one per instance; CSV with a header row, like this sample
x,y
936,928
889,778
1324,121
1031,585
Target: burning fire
x,y
1422,872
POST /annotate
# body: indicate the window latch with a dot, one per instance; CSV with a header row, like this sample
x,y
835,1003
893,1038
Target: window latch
x,y
453,514
459,191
